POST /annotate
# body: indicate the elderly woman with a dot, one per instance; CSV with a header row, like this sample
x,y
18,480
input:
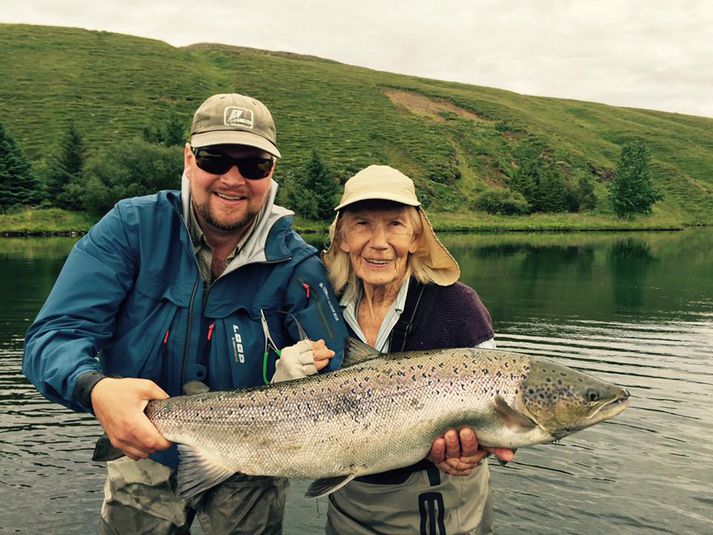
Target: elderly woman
x,y
399,292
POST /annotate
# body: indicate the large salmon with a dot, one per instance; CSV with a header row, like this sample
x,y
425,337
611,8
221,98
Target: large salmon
x,y
381,413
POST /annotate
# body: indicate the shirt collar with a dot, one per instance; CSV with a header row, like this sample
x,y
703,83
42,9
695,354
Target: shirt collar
x,y
349,310
399,304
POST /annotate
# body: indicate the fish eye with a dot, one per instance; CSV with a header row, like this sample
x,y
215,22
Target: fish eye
x,y
591,395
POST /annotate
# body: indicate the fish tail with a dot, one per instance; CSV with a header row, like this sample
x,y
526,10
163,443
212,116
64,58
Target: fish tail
x,y
104,451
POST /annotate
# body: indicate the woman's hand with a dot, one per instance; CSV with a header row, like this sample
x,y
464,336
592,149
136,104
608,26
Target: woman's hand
x,y
302,359
322,354
457,452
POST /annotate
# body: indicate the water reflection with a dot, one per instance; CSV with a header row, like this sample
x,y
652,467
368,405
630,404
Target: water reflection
x,y
629,261
604,276
636,310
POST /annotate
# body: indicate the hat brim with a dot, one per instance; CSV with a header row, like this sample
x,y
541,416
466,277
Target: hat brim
x,y
233,137
379,196
444,268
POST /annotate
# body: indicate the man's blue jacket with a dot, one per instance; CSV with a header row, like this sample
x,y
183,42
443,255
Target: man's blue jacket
x,y
131,293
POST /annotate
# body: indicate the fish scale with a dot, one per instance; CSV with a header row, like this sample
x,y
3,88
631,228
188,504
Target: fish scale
x,y
380,414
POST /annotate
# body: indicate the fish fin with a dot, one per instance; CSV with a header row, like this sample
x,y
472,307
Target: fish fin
x,y
512,417
327,485
198,472
356,352
104,451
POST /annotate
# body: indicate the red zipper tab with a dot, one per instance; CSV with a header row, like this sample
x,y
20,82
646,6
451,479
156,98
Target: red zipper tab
x,y
210,331
306,287
165,338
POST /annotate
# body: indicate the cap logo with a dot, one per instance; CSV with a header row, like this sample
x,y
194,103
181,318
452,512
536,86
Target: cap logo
x,y
240,117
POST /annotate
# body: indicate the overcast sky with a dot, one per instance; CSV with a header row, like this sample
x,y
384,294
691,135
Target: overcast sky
x,y
655,54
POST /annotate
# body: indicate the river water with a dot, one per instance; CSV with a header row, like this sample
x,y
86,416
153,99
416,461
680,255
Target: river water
x,y
635,309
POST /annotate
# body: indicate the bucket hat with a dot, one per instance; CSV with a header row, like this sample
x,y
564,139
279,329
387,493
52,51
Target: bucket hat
x,y
381,182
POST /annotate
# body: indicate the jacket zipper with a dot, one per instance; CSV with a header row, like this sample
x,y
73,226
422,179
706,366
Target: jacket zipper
x,y
188,333
199,278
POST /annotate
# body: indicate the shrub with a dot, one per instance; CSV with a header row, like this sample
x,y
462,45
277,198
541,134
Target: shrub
x,y
129,169
585,193
502,201
631,191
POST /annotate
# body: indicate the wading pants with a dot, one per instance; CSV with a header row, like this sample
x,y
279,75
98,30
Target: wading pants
x,y
140,498
427,503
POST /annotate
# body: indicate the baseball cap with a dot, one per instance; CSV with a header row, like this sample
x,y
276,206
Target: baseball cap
x,y
235,120
381,182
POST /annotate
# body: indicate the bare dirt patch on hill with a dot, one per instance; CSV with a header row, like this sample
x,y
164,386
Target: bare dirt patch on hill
x,y
429,108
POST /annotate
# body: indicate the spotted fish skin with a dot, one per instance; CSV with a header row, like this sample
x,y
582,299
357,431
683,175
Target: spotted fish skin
x,y
381,414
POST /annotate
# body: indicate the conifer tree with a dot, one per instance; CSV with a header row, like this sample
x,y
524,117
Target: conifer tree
x,y
18,186
551,195
67,170
319,180
173,132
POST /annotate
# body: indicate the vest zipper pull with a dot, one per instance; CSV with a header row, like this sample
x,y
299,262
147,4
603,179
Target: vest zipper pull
x,y
164,344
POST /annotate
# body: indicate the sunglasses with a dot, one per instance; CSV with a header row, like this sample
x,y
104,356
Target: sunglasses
x,y
215,163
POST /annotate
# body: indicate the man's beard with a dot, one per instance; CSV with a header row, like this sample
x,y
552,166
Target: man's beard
x,y
240,224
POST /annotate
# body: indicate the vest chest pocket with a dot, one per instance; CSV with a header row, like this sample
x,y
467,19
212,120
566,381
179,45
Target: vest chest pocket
x,y
234,350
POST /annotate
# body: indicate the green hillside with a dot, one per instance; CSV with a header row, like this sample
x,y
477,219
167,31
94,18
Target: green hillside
x,y
454,139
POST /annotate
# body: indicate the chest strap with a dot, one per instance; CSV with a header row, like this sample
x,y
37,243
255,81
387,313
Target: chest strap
x,y
402,329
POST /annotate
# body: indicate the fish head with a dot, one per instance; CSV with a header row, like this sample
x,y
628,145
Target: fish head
x,y
562,400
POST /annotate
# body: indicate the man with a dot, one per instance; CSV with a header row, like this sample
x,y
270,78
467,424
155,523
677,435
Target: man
x,y
170,290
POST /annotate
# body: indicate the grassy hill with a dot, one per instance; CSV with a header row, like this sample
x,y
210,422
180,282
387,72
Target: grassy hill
x,y
454,139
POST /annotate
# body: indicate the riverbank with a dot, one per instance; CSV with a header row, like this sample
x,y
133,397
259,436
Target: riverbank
x,y
483,222
45,222
56,222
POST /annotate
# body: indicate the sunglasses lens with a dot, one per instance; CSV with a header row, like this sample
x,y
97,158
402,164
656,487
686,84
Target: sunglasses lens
x,y
215,164
251,167
254,168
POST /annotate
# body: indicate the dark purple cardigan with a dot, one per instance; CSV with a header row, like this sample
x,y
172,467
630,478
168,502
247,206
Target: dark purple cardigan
x,y
448,317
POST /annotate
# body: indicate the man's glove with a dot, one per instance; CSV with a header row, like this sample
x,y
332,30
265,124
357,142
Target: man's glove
x,y
295,362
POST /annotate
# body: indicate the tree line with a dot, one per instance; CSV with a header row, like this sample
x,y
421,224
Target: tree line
x,y
538,185
71,180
